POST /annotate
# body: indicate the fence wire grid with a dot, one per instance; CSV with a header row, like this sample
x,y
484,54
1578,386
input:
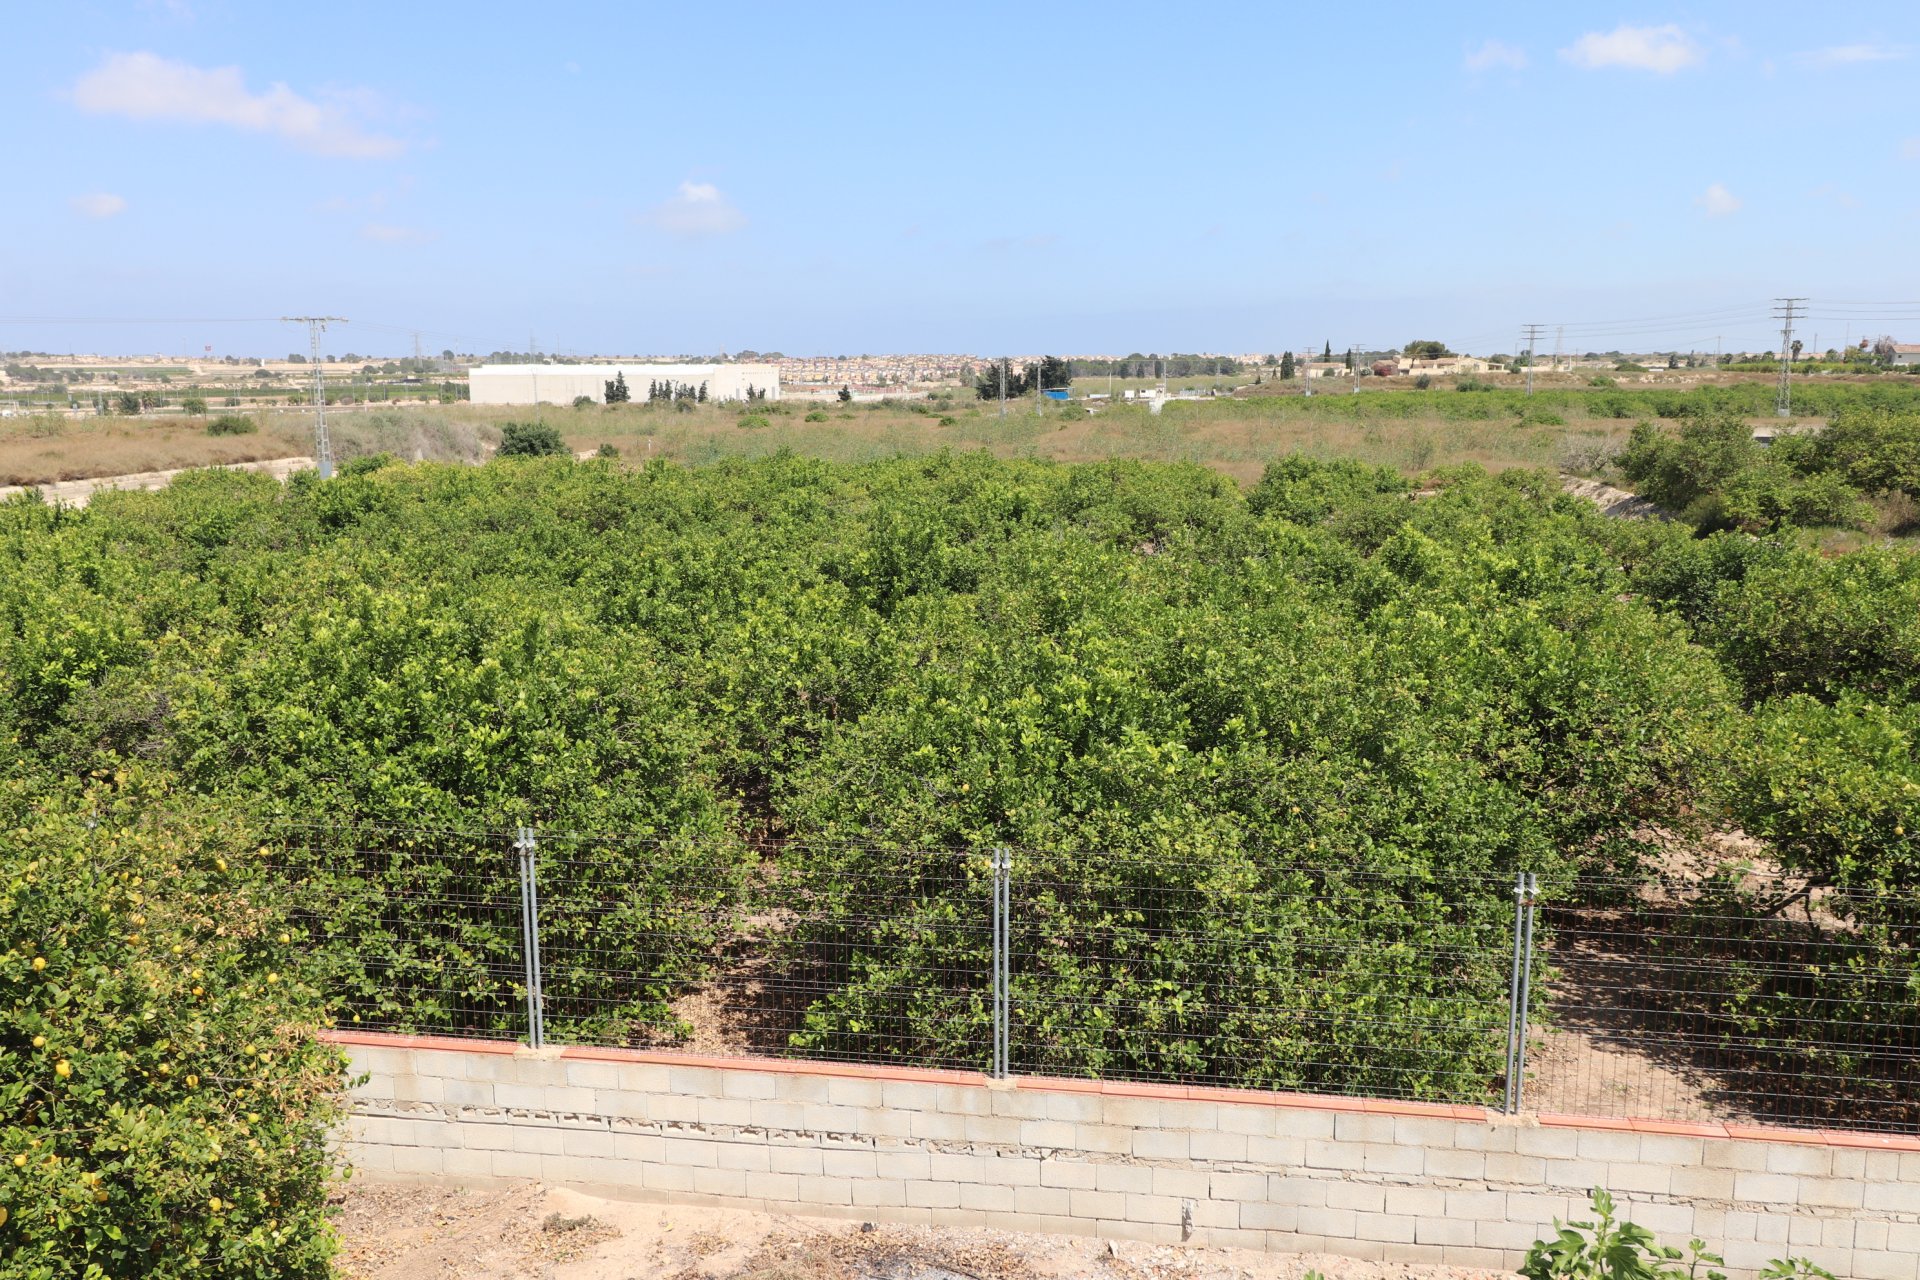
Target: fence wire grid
x,y
1631,996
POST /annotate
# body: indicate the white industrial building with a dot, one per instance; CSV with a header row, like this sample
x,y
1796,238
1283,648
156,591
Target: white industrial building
x,y
563,383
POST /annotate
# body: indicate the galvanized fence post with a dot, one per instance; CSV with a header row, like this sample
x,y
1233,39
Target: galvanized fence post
x,y
1002,946
1530,896
530,935
1510,1103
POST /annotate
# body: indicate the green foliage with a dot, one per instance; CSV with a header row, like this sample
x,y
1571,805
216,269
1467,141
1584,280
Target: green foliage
x,y
232,424
1308,731
583,402
1714,474
168,1108
607,449
752,421
195,406
815,415
1874,450
1607,1248
531,440
617,391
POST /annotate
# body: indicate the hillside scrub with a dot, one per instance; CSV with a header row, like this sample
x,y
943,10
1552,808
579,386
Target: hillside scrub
x,y
1279,751
1713,474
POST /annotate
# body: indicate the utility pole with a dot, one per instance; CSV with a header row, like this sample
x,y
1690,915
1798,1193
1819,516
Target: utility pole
x,y
1353,358
1003,386
1784,309
1533,336
322,445
1559,335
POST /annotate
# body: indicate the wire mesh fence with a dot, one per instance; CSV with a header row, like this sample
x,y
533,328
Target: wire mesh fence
x,y
1746,998
1717,998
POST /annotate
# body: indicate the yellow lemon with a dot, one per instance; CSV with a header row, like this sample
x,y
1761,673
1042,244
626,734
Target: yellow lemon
x,y
165,1070
286,938
19,1162
39,1042
63,1068
39,963
193,1082
213,1203
253,1117
99,1197
198,991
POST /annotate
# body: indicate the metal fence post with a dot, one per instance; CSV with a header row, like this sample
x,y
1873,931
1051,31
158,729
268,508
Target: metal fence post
x,y
1530,896
530,935
1510,1103
1002,946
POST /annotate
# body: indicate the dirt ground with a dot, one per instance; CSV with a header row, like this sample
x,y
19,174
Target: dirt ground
x,y
413,1232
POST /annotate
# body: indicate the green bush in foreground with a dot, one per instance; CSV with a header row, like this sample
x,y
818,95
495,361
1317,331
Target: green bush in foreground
x,y
167,1104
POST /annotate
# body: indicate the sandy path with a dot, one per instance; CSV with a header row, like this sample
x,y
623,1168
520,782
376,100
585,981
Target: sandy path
x,y
77,493
427,1232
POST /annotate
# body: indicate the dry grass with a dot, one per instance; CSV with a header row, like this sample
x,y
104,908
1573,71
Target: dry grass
x,y
46,448
42,449
1238,437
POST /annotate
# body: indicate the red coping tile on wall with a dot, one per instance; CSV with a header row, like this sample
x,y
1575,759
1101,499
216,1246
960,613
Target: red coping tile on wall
x,y
1147,1089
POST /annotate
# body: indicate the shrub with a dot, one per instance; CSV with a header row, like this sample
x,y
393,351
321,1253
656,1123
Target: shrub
x,y
815,416
583,402
1607,1248
168,1107
606,450
193,406
1772,495
231,402
1422,382
232,424
531,440
752,421
1602,380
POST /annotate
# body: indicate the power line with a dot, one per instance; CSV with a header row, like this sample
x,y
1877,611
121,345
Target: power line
x,y
322,446
1784,308
1532,335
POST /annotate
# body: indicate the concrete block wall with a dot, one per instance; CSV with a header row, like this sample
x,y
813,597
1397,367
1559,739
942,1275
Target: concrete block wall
x,y
1396,1182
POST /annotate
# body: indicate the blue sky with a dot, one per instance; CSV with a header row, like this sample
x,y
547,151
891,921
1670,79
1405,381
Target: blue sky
x,y
984,178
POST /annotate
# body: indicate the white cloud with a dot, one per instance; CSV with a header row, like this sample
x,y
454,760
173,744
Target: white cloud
x,y
1496,54
697,209
1847,55
145,86
1664,49
98,204
1718,201
387,233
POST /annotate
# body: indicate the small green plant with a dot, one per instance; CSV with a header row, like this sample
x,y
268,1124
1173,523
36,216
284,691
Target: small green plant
x,y
1609,1248
607,451
531,440
583,402
815,416
752,421
232,424
193,406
